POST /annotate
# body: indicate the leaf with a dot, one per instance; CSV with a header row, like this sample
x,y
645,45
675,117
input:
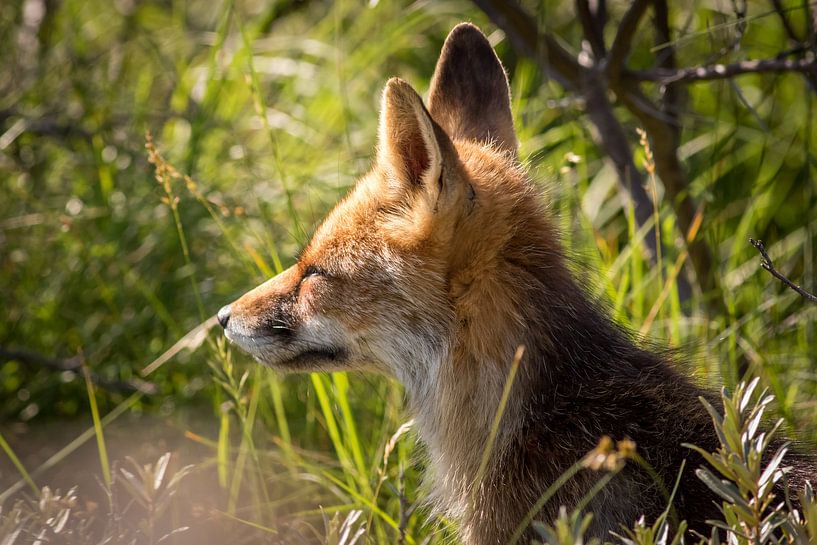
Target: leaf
x,y
717,420
752,426
11,538
61,520
179,475
773,464
746,396
719,466
159,471
173,533
724,489
662,534
135,487
730,529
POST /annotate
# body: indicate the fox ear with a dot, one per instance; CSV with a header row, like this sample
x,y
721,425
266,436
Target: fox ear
x,y
469,96
408,141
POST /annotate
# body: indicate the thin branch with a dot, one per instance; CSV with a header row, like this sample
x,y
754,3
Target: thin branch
x,y
723,71
623,41
42,126
599,10
766,263
593,27
781,12
800,46
672,96
34,359
38,360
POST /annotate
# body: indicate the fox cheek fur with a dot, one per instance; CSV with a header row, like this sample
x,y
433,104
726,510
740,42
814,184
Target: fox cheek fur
x,y
373,311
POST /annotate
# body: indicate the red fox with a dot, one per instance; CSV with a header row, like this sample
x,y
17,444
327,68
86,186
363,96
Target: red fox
x,y
434,269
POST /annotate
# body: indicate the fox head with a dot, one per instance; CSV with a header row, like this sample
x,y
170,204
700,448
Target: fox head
x,y
414,263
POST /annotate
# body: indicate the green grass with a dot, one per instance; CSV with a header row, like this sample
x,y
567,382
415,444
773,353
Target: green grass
x,y
268,114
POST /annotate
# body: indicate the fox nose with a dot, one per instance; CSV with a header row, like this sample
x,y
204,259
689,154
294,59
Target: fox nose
x,y
224,316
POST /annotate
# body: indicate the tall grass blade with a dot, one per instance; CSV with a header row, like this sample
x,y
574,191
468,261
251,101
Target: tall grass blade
x,y
19,465
98,426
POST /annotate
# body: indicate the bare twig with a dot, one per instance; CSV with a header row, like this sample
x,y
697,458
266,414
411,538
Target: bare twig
x,y
766,263
624,38
722,71
598,8
592,22
809,42
672,95
40,126
134,384
33,359
781,12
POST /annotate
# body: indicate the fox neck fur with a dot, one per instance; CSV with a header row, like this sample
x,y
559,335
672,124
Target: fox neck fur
x,y
580,378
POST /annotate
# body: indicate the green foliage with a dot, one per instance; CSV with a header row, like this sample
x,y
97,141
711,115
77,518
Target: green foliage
x,y
567,529
659,533
138,500
346,532
754,513
750,482
151,488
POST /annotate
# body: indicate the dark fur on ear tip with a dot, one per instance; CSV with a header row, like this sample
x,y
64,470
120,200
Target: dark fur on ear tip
x,y
470,97
468,31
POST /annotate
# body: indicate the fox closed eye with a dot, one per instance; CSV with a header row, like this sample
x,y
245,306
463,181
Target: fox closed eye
x,y
313,270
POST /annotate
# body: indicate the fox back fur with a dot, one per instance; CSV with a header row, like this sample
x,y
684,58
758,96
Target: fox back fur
x,y
437,266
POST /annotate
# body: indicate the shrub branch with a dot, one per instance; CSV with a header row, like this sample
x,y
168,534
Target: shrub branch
x,y
766,263
594,79
724,71
34,359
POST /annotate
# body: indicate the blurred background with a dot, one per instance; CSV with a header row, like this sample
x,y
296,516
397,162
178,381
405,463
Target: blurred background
x,y
258,116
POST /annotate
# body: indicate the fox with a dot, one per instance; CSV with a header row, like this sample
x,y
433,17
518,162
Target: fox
x,y
435,269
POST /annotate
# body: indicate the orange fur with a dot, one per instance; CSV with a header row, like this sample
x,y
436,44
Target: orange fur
x,y
434,269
